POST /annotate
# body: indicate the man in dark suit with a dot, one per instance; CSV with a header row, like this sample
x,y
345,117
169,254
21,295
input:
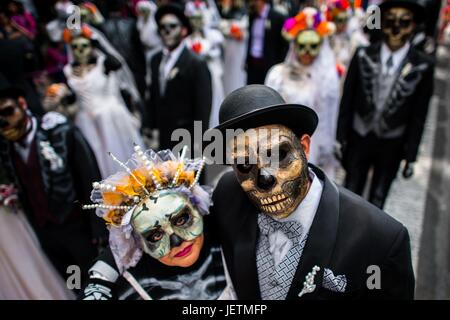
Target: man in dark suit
x,y
180,91
266,46
286,230
53,167
385,103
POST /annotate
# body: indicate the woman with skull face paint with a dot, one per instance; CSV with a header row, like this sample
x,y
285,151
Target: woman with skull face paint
x,y
309,77
160,240
103,117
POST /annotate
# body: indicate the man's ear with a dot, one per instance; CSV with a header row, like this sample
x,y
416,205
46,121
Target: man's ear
x,y
22,103
305,141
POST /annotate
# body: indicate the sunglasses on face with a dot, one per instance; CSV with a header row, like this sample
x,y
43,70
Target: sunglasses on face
x,y
7,111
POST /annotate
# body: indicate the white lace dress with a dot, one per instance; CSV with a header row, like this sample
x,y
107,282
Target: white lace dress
x,y
104,118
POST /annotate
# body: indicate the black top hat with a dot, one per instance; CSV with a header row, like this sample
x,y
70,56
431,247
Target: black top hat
x,y
176,10
415,6
258,105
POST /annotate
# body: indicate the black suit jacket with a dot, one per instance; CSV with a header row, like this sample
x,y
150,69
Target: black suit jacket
x,y
347,235
275,47
70,186
187,97
407,103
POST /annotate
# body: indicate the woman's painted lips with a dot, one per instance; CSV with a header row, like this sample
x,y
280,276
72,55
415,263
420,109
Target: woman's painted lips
x,y
184,252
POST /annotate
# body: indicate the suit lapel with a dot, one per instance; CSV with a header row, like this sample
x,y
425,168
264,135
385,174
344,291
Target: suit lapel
x,y
179,65
321,239
369,65
244,254
405,82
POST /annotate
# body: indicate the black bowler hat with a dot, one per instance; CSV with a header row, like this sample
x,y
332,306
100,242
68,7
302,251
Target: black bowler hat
x,y
258,105
416,6
176,10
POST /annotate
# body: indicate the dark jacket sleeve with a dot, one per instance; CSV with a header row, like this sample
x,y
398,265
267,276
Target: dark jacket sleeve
x,y
397,275
202,93
85,172
418,115
347,105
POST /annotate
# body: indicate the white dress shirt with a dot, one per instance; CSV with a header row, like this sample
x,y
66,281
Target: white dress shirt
x,y
23,149
397,58
174,55
279,243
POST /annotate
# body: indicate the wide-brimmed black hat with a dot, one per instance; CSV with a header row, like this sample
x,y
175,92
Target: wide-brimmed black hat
x,y
258,105
176,10
415,6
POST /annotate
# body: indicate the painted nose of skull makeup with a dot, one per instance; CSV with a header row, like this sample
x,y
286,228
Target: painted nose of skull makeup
x,y
175,240
265,181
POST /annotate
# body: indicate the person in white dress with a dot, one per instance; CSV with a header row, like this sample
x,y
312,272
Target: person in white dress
x,y
25,272
349,35
148,30
208,43
234,26
103,116
308,76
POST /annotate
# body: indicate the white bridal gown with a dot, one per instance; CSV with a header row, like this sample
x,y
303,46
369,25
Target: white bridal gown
x,y
25,271
317,87
235,52
103,118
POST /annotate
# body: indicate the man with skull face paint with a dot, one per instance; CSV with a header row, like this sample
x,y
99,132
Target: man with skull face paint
x,y
52,165
286,230
385,103
181,88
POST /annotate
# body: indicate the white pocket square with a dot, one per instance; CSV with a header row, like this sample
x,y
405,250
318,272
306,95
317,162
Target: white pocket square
x,y
333,283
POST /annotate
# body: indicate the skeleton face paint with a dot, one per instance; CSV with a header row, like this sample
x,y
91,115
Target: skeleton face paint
x,y
82,49
13,120
165,222
398,26
278,185
307,46
196,22
171,31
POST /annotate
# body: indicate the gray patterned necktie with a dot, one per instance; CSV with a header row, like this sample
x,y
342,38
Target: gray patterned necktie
x,y
274,282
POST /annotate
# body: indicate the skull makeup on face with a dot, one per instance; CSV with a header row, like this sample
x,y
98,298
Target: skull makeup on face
x,y
398,27
276,187
340,20
196,22
82,49
13,119
170,228
307,46
171,31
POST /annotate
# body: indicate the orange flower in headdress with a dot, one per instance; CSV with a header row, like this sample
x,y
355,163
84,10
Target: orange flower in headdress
x,y
69,34
308,19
